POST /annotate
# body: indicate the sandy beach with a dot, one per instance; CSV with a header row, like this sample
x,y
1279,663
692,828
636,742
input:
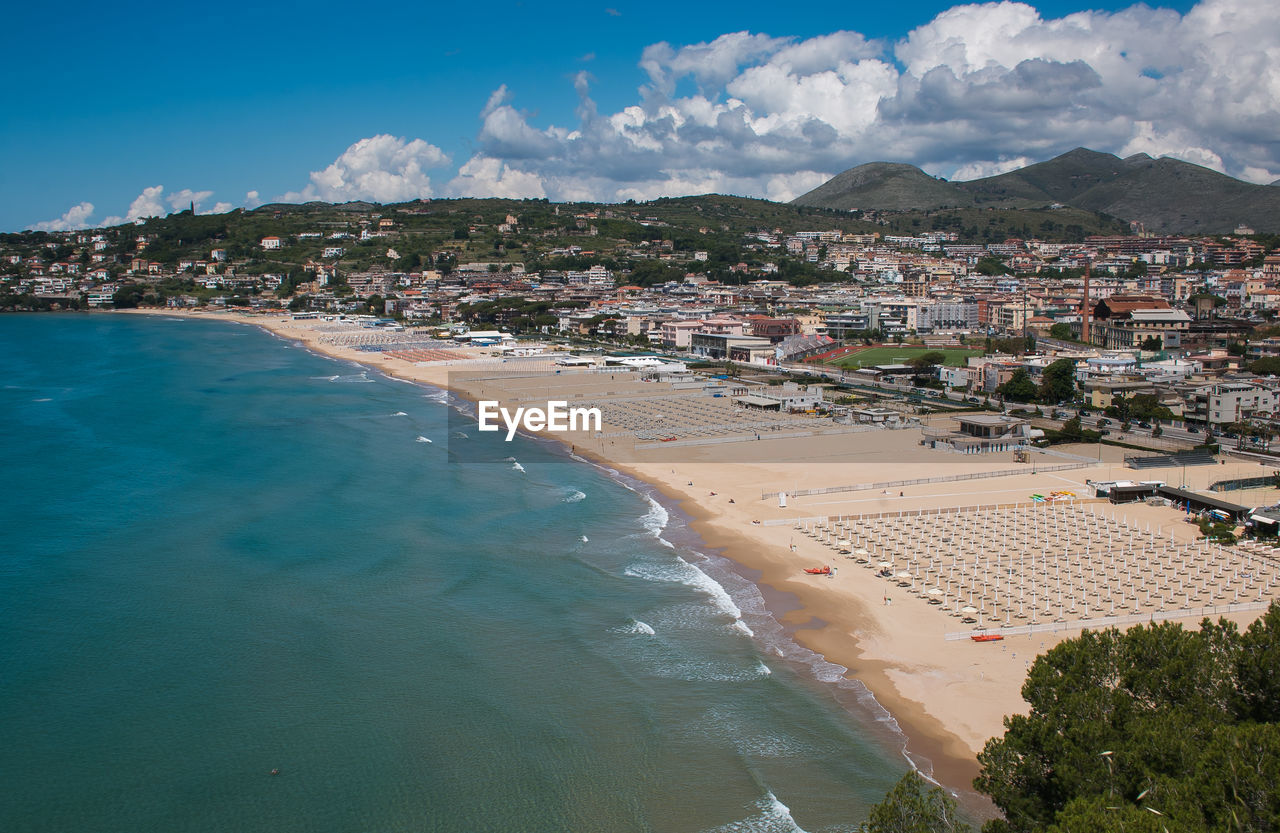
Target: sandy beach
x,y
948,696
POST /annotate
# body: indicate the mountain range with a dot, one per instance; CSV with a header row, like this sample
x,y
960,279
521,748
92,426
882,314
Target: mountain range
x,y
1165,195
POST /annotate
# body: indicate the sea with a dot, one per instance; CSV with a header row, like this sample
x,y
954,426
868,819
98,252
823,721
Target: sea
x,y
246,587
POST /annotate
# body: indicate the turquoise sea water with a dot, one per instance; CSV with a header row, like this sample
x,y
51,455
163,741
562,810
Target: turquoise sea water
x,y
224,555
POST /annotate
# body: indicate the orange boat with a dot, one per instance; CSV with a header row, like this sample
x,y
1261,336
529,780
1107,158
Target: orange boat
x,y
818,571
986,637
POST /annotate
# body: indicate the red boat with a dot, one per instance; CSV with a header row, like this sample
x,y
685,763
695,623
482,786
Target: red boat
x,y
986,637
818,571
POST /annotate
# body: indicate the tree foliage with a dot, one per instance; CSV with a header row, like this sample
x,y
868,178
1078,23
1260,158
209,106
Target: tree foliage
x,y
1155,728
1019,388
1058,383
1269,366
912,806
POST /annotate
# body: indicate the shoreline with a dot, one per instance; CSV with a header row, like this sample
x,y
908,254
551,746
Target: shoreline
x,y
947,759
927,687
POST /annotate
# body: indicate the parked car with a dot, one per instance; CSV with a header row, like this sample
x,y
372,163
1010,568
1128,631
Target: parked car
x,y
1144,424
1103,421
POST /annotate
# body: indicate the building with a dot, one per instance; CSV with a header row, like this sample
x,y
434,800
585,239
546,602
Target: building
x,y
677,333
1124,322
788,397
983,433
718,345
774,329
272,243
1236,402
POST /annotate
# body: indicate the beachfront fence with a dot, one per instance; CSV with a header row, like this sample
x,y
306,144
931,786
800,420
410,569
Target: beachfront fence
x,y
1111,621
917,481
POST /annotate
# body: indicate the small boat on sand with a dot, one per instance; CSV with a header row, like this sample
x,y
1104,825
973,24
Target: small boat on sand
x,y
986,637
818,571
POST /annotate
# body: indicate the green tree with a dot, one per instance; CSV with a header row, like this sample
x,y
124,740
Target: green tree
x,y
1019,388
1058,382
991,266
928,361
1153,343
1155,710
913,806
1062,332
1269,366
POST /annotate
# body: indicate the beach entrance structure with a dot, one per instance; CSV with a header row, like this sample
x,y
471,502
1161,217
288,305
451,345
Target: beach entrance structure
x,y
983,433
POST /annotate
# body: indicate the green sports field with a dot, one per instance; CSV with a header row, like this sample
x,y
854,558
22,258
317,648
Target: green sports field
x,y
955,356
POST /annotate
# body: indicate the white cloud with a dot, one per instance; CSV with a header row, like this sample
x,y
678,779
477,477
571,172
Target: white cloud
x,y
978,90
150,203
978,170
184,199
76,218
381,168
484,176
146,204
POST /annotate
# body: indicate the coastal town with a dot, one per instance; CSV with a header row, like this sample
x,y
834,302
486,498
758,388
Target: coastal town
x,y
1183,326
954,453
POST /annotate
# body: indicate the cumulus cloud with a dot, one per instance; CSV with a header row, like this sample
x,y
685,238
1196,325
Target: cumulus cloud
x,y
381,168
978,90
146,204
150,203
252,199
77,217
979,170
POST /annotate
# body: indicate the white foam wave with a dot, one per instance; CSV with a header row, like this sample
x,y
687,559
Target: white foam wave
x,y
399,413
711,671
42,399
516,465
574,496
682,572
741,627
585,539
770,816
656,519
462,435
422,440
636,627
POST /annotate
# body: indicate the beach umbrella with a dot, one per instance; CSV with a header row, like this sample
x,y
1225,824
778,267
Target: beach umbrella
x,y
968,609
934,591
904,574
886,564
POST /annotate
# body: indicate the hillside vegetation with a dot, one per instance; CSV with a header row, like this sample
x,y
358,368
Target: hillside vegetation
x,y
1164,195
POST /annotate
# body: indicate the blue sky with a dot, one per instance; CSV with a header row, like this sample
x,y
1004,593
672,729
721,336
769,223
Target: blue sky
x,y
389,101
